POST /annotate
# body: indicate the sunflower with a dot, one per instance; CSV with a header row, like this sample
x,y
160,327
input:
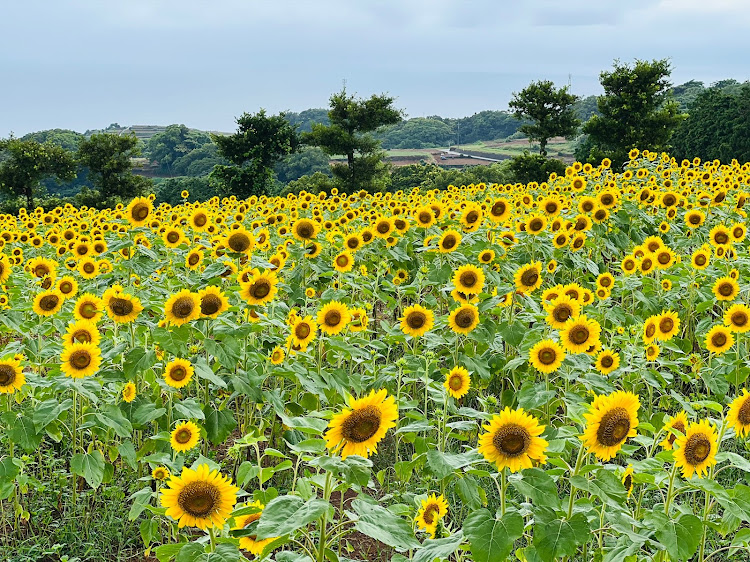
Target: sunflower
x,y
511,439
303,331
649,329
562,309
578,334
333,318
305,230
486,256
357,430
457,382
260,288
251,543
88,307
672,428
469,279
546,356
607,361
384,227
80,360
694,218
178,372
719,236
199,220
11,375
696,450
139,210
48,303
182,307
88,268
738,417
83,331
277,356
67,286
432,510
343,262
160,473
359,320
199,498
173,237
725,289
528,277
193,259
121,308
5,268
719,339
128,392
213,302
184,437
417,321
667,325
627,480
610,421
464,319
737,318
240,241
700,259
425,217
449,241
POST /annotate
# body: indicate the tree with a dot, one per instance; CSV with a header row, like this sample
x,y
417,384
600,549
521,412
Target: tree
x,y
25,163
534,167
170,190
550,111
305,162
258,145
636,111
174,143
351,121
108,158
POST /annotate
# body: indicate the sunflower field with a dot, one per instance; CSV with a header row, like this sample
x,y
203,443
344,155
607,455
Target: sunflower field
x,y
536,372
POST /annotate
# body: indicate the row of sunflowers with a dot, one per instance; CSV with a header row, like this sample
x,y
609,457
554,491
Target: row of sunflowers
x,y
550,371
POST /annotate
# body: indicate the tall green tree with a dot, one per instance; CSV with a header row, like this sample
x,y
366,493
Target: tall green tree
x,y
174,143
25,163
109,160
636,111
348,134
258,145
549,110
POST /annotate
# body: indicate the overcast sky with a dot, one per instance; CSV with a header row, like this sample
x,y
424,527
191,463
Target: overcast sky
x,y
83,64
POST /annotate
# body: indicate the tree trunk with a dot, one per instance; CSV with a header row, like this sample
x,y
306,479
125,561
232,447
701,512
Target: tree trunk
x,y
350,160
543,147
29,199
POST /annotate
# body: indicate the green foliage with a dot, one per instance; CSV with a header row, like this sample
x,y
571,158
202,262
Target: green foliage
x,y
108,158
717,127
585,108
636,112
307,161
549,110
314,183
419,132
170,189
351,121
25,163
304,120
258,145
535,167
414,175
176,142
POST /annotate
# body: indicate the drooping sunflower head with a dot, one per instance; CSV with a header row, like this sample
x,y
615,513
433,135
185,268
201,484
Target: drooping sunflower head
x,y
213,302
546,356
674,427
80,360
719,339
199,498
178,372
469,279
333,318
627,479
739,414
695,451
457,382
129,392
464,319
610,421
528,277
417,320
511,439
11,375
182,307
357,430
359,320
185,436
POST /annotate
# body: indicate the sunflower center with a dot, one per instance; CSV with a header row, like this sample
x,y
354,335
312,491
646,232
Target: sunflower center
x,y
547,356
416,320
697,448
173,237
536,225
83,336
260,289
679,426
700,260
332,318
498,209
89,267
342,261
88,310
512,440
669,200
607,361
66,287
743,414
210,304
465,318
650,330
468,279
472,217
721,238
529,277
305,230
579,334
449,242
120,306
199,499
302,330
562,312
361,424
628,482
719,339
429,514
614,427
80,359
666,325
140,212
49,302
383,227
178,373
41,270
200,220
738,232
455,382
694,219
183,436
725,289
425,217
7,375
352,243
193,259
183,307
663,258
238,242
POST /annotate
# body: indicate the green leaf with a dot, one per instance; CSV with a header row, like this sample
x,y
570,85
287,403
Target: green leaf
x,y
138,360
537,485
204,371
353,470
90,466
149,529
189,409
227,351
533,395
444,464
377,522
219,424
48,411
23,432
146,413
225,553
127,452
112,418
192,552
166,552
285,514
490,539
680,536
440,548
141,499
8,470
558,537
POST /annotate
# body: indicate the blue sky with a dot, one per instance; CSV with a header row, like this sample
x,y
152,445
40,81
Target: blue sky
x,y
82,64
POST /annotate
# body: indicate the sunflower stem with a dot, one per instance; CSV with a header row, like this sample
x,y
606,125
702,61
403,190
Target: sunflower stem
x,y
668,501
212,537
579,461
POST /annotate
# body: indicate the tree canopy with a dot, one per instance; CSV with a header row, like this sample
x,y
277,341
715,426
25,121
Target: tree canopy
x,y
176,142
108,158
